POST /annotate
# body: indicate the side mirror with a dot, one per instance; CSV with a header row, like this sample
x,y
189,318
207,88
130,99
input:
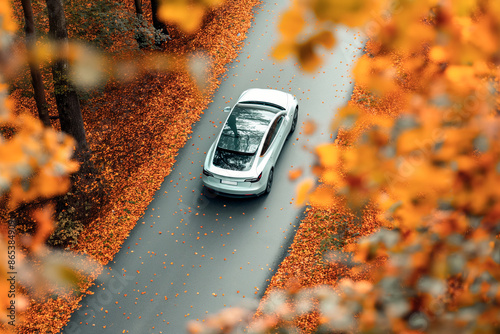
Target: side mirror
x,y
227,109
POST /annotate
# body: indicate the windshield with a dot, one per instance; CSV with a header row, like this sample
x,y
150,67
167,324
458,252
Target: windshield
x,y
232,160
244,129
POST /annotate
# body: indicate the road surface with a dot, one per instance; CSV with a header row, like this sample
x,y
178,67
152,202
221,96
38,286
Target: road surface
x,y
192,254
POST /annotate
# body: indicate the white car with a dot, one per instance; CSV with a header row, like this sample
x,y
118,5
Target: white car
x,y
241,160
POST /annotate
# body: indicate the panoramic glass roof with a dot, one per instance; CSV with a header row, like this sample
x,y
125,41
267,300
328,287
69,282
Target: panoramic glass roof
x,y
245,128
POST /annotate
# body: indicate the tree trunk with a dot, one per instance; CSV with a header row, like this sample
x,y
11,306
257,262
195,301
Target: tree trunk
x,y
156,22
36,76
67,101
85,181
138,8
139,35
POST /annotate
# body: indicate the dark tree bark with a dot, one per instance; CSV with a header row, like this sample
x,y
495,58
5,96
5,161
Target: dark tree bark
x,y
159,25
139,35
67,101
36,76
85,181
138,8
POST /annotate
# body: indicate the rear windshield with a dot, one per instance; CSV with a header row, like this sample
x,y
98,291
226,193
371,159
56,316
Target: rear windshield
x,y
244,129
233,160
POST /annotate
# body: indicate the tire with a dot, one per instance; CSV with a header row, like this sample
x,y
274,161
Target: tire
x,y
269,181
294,122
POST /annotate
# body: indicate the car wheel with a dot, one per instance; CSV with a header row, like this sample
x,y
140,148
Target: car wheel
x,y
294,122
269,181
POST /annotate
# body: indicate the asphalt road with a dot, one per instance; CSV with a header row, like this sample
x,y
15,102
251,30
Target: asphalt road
x,y
191,254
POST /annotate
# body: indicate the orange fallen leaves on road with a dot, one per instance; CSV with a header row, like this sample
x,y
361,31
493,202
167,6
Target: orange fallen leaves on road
x,y
294,174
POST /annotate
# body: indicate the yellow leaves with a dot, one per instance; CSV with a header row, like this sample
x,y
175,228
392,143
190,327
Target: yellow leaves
x,y
412,36
412,140
346,117
307,57
322,197
353,13
438,54
283,49
309,127
305,51
445,224
212,3
294,174
7,22
377,74
303,190
36,162
328,154
188,15
45,226
455,142
461,78
438,160
291,23
331,176
464,7
324,38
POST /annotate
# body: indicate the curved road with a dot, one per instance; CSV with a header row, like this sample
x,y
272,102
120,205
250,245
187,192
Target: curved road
x,y
192,255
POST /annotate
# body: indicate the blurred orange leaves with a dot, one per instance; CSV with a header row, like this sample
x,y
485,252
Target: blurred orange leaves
x,y
303,190
416,142
351,13
186,14
294,174
45,225
38,156
329,155
291,23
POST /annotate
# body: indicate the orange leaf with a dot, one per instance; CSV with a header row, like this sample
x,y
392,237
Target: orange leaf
x,y
322,197
294,174
303,190
328,155
309,127
43,218
291,23
282,50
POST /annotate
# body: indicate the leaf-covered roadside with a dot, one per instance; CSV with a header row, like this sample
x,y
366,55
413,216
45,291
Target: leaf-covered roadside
x,y
135,130
320,254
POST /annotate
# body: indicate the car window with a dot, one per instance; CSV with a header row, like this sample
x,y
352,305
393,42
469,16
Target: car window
x,y
273,131
244,129
232,160
274,105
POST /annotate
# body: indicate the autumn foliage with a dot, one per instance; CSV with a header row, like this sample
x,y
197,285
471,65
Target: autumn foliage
x,y
409,206
402,233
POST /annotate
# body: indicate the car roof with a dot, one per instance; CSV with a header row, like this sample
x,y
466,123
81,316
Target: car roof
x,y
251,124
271,96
